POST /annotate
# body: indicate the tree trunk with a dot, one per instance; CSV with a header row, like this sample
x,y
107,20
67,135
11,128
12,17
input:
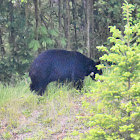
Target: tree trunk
x,y
59,14
26,13
83,25
92,37
74,20
11,16
66,16
1,45
68,25
12,32
88,26
37,17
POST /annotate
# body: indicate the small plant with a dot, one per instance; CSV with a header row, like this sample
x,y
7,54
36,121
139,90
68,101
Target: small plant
x,y
116,112
33,138
26,112
25,130
7,136
47,121
75,133
40,135
67,138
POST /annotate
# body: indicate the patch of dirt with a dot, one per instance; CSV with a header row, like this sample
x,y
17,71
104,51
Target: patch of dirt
x,y
39,126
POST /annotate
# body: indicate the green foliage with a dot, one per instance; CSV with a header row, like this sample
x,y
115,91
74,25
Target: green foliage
x,y
127,15
63,41
75,133
15,55
21,40
47,39
117,98
7,136
34,44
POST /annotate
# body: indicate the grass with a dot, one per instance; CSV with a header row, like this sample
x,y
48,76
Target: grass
x,y
24,115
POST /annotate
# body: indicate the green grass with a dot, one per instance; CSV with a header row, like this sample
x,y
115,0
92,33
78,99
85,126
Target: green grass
x,y
58,114
25,115
9,92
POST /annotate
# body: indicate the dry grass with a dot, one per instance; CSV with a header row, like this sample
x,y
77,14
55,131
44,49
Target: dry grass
x,y
26,116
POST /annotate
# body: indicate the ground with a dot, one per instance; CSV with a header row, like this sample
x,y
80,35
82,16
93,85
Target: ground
x,y
32,117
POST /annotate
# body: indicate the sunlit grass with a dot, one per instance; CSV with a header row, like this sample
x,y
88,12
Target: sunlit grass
x,y
10,92
22,111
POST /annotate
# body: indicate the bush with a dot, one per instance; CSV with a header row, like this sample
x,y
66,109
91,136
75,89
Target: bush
x,y
116,111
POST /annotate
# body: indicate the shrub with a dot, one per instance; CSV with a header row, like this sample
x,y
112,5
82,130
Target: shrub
x,y
116,111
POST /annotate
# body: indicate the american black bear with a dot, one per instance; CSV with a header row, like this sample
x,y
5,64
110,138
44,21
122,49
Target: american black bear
x,y
60,65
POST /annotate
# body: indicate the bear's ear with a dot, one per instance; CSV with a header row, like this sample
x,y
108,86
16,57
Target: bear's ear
x,y
97,63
